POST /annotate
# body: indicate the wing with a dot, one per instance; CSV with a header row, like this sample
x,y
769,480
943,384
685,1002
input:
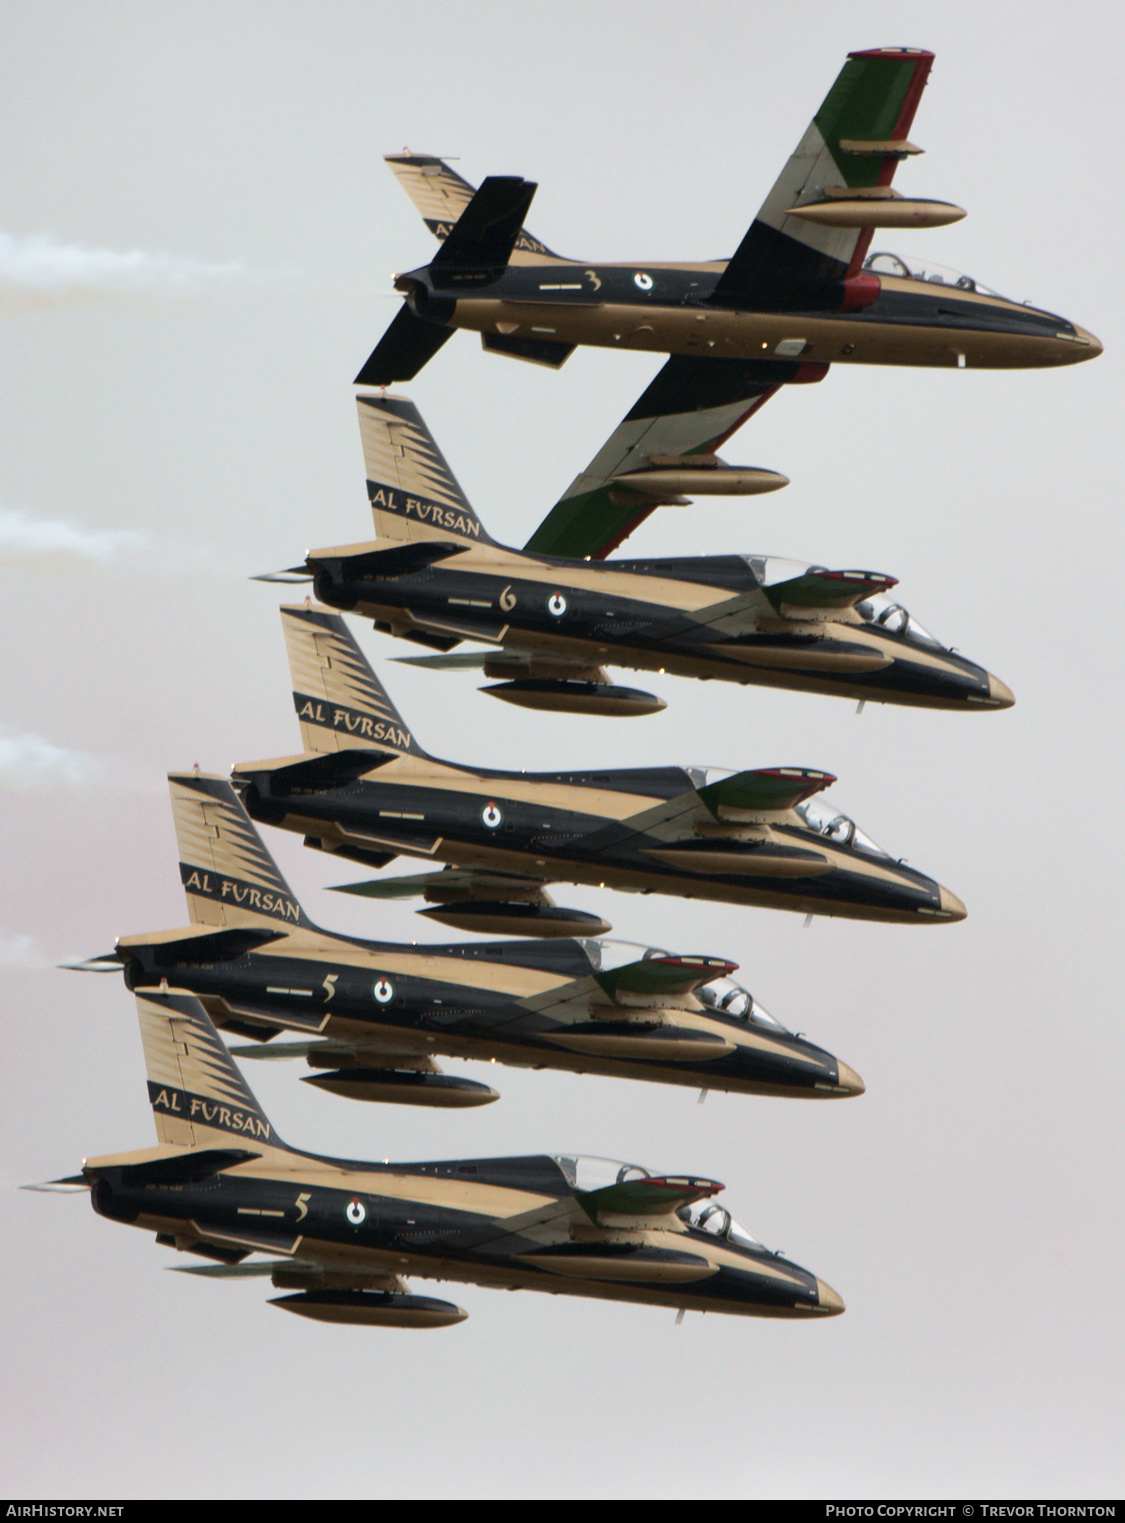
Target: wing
x,y
667,439
849,153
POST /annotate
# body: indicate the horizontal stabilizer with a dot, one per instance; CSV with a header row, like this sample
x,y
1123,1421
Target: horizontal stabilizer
x,y
452,661
818,588
70,1185
203,948
283,1051
766,790
408,344
109,963
290,577
186,1168
256,1270
481,241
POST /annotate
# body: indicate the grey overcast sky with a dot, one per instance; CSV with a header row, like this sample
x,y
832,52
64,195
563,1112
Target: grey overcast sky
x,y
196,238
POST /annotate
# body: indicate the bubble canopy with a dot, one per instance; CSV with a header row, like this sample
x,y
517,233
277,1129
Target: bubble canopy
x,y
586,1173
910,267
705,1216
826,821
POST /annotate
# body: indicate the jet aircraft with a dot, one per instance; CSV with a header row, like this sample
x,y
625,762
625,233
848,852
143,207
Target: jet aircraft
x,y
364,789
376,1015
435,575
340,1235
804,284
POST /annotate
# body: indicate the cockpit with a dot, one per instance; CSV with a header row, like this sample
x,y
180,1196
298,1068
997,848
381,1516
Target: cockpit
x,y
909,267
716,1221
585,1174
722,995
823,819
607,952
728,998
882,611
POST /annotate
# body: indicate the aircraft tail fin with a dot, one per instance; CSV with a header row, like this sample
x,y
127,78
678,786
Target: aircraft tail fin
x,y
340,702
440,195
198,1096
229,876
413,493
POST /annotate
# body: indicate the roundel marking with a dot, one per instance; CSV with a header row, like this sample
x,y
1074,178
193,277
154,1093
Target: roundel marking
x,y
642,281
356,1211
556,605
491,815
507,599
384,991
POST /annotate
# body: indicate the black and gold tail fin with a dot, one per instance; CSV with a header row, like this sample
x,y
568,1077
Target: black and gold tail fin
x,y
440,195
198,1096
229,877
340,702
413,493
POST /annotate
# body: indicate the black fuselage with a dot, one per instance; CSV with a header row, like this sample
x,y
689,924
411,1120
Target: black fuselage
x,y
540,824
382,992
548,608
314,1215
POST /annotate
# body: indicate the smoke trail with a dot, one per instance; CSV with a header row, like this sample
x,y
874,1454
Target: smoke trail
x,y
18,951
44,543
38,271
28,762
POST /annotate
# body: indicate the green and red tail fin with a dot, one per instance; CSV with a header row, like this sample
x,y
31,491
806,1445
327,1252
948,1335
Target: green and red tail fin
x,y
853,143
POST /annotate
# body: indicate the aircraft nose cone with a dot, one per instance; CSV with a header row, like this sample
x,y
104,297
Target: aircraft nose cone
x,y
850,1082
830,1304
1000,693
951,905
1091,348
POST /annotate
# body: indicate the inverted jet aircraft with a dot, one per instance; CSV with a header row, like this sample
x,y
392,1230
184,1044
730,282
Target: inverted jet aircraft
x,y
804,284
340,1234
435,575
366,790
376,1014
